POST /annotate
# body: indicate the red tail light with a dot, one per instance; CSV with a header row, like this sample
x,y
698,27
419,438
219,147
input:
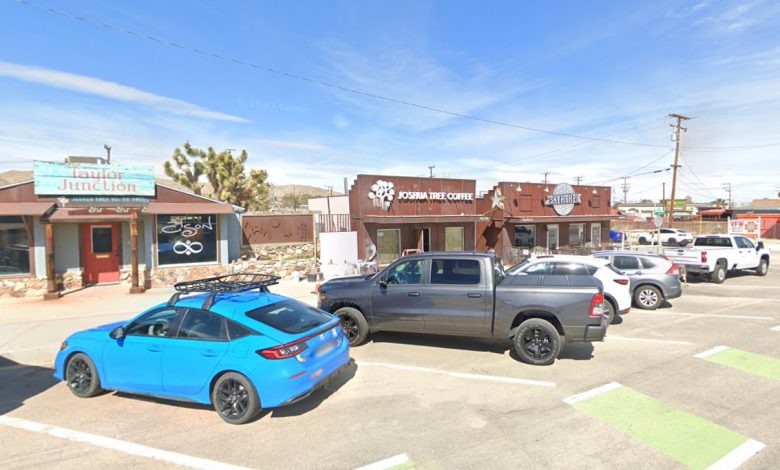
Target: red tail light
x,y
597,306
674,270
284,351
622,282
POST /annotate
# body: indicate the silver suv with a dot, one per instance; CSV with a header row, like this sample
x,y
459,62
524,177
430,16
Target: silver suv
x,y
654,278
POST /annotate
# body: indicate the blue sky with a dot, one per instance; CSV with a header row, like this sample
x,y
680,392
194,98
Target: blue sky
x,y
602,69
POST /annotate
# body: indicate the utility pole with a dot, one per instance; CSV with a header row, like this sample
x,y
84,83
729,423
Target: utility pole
x,y
626,185
663,193
727,187
578,178
108,152
430,170
546,174
677,135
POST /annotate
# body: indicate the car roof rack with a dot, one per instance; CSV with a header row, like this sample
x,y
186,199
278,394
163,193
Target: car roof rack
x,y
227,284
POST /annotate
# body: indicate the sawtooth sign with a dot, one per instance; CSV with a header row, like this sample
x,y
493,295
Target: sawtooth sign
x,y
563,199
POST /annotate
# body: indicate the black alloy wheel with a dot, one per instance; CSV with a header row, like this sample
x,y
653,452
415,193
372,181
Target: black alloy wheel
x,y
350,328
537,342
353,324
235,399
81,376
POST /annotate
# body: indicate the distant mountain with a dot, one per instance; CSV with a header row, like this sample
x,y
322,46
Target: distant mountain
x,y
283,189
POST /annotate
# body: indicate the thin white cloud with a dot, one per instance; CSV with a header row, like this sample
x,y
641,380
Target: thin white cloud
x,y
112,90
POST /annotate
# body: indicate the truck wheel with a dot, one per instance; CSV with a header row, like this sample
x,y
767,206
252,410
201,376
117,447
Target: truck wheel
x,y
763,267
353,324
719,275
648,297
537,342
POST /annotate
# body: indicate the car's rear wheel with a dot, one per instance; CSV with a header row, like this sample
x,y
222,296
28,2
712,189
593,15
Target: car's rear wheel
x,y
648,297
235,398
672,242
719,275
82,377
763,268
610,311
642,241
537,342
353,324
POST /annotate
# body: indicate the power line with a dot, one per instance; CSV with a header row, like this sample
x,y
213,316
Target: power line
x,y
690,169
356,91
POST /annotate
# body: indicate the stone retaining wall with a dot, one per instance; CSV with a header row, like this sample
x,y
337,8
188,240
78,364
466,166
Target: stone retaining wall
x,y
31,286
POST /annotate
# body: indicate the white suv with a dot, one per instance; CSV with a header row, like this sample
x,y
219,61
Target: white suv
x,y
617,290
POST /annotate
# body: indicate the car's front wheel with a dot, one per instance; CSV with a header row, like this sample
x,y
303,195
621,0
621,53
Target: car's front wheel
x,y
648,297
763,268
82,377
537,342
235,398
353,324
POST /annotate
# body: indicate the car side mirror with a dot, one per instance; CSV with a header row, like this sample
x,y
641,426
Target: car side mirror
x,y
117,333
383,284
759,246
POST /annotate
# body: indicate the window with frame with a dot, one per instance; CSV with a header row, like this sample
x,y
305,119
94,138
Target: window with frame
x,y
388,245
202,325
525,236
405,272
569,269
626,262
455,271
454,238
743,242
576,234
158,323
184,239
14,246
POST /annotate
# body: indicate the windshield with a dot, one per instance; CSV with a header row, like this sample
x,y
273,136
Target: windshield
x,y
289,316
518,267
712,241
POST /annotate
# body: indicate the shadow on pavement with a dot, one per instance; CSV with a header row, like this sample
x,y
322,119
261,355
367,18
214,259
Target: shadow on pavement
x,y
579,351
450,342
320,395
19,382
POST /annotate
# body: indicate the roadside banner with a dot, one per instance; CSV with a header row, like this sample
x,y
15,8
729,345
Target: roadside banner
x,y
747,227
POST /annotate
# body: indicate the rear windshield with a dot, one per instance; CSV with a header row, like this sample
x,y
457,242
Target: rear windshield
x,y
289,316
712,241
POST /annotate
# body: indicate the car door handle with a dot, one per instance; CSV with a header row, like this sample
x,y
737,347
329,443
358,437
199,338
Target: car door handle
x,y
208,353
413,294
474,295
154,349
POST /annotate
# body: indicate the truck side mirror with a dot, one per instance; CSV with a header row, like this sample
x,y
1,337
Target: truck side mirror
x,y
383,284
759,246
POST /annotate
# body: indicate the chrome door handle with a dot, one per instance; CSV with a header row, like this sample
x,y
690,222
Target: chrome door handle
x,y
474,295
413,294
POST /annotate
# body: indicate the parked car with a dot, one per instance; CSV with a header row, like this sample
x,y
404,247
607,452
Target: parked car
x,y
617,290
666,236
716,255
469,294
654,278
230,347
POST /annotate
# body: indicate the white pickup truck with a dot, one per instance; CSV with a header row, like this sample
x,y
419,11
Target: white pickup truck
x,y
715,255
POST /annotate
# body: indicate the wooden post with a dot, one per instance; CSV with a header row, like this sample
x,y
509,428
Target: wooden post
x,y
135,288
52,291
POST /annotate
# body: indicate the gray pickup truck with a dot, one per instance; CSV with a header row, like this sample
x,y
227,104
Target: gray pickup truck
x,y
468,294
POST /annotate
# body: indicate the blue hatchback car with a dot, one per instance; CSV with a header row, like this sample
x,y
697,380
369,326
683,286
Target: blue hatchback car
x,y
233,345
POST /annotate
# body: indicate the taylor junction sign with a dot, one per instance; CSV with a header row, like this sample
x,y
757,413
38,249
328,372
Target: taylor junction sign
x,y
52,178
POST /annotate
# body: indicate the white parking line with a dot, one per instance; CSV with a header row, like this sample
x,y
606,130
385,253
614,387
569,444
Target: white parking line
x,y
591,393
775,328
118,445
389,462
461,375
738,456
703,315
650,340
711,352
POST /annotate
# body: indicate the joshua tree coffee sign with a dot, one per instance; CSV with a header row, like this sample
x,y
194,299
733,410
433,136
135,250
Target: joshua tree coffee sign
x,y
563,199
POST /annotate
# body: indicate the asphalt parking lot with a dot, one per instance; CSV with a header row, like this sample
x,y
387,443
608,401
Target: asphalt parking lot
x,y
671,400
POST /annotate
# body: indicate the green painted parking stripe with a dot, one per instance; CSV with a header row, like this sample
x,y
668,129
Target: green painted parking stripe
x,y
687,438
745,361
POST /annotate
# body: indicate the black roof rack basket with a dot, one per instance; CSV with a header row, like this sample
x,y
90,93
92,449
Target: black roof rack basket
x,y
229,283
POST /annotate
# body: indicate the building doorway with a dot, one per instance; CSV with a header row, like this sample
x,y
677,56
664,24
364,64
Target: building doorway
x,y
388,245
552,237
423,236
454,239
595,234
100,248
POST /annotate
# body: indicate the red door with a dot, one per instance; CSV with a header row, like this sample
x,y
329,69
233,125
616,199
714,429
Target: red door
x,y
100,246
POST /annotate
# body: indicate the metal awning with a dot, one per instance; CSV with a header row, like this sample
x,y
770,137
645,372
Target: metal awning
x,y
80,215
178,208
25,208
419,219
553,219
